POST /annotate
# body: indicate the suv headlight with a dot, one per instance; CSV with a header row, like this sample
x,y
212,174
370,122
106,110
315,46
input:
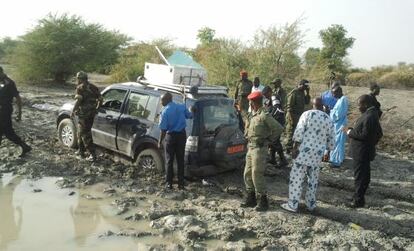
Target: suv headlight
x,y
192,144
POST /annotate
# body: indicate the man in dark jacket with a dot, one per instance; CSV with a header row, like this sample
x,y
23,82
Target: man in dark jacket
x,y
375,91
364,137
8,92
273,106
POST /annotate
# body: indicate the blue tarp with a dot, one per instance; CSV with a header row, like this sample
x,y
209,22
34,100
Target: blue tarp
x,y
181,58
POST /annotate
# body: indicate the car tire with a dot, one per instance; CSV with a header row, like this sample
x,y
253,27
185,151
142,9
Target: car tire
x,y
150,159
67,133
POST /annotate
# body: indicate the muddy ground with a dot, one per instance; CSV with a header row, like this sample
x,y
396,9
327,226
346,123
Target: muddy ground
x,y
207,215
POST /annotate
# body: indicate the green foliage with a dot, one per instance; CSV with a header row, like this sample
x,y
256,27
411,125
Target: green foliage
x,y
312,57
206,35
274,52
7,45
223,59
132,60
360,79
335,47
319,63
59,46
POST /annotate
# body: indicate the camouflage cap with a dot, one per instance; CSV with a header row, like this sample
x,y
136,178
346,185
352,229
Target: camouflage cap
x,y
276,81
81,75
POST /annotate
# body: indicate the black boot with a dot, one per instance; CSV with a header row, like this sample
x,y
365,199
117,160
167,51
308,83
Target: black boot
x,y
25,149
92,157
250,200
283,161
263,203
272,157
81,153
357,203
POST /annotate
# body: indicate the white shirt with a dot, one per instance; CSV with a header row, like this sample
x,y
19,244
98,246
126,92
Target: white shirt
x,y
258,88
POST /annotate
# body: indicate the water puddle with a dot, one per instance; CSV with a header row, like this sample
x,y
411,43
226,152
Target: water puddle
x,y
38,215
46,107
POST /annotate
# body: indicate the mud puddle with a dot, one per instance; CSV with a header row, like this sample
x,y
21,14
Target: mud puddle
x,y
38,215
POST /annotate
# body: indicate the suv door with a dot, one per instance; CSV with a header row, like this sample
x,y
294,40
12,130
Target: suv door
x,y
105,124
137,120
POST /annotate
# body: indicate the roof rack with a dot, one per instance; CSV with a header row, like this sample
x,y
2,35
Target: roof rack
x,y
184,89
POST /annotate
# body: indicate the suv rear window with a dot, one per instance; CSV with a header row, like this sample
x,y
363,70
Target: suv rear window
x,y
218,113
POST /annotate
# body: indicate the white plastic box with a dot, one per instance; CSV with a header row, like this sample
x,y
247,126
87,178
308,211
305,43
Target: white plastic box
x,y
174,75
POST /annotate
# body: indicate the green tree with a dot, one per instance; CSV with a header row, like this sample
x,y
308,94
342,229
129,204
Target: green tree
x,y
7,45
132,60
59,46
274,52
223,59
335,47
312,57
206,35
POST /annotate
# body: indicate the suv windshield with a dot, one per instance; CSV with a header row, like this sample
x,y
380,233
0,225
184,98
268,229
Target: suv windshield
x,y
218,113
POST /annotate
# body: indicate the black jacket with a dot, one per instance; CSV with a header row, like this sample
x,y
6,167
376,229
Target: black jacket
x,y
365,135
8,91
377,105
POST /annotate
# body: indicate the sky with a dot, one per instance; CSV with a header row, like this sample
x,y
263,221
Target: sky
x,y
383,29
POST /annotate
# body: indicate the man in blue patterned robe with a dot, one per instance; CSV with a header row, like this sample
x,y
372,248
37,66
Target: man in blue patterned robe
x,y
314,137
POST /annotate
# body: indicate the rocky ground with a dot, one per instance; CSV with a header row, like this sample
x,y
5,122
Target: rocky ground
x,y
207,214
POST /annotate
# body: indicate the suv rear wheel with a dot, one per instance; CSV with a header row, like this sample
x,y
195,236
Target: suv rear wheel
x,y
67,133
150,159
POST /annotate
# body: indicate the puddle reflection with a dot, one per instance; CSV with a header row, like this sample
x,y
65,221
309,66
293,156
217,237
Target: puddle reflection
x,y
53,220
10,215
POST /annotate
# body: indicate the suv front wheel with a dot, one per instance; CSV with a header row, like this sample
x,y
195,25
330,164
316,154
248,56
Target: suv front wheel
x,y
67,133
150,159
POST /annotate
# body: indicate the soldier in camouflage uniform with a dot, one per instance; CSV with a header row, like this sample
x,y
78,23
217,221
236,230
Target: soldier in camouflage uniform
x,y
88,99
243,89
261,129
295,106
279,92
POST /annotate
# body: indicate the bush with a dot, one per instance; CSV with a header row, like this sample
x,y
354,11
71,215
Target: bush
x,y
398,79
7,45
360,79
223,59
132,60
59,46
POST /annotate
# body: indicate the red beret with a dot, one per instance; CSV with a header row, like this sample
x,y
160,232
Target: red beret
x,y
254,95
243,73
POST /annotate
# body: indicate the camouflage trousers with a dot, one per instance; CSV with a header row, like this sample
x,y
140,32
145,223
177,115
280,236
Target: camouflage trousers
x,y
244,104
254,170
291,123
85,134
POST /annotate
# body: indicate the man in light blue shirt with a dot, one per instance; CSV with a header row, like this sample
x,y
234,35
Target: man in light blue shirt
x,y
172,125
